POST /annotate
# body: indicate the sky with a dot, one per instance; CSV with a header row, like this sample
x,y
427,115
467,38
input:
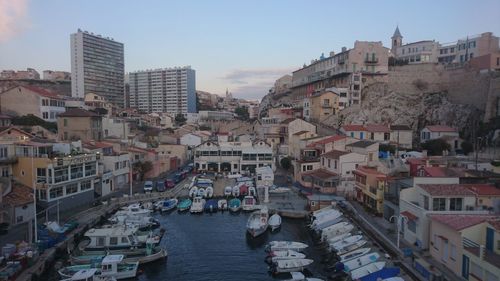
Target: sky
x,y
243,46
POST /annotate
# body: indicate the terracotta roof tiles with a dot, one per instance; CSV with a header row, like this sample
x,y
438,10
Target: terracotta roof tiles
x,y
460,222
440,128
447,189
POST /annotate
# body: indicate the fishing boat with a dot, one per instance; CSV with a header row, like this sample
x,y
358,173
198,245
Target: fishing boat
x,y
228,190
169,205
335,230
361,261
285,245
248,203
209,192
298,276
252,191
274,222
350,247
354,254
193,191
201,193
117,237
290,265
284,255
198,205
222,204
346,241
89,275
211,206
236,191
234,205
148,254
258,222
184,205
111,265
367,269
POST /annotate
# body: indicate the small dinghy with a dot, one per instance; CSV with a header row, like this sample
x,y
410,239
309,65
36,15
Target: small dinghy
x,y
361,261
169,205
211,206
209,192
157,205
274,222
367,269
184,205
319,228
258,222
354,254
285,245
193,191
252,191
248,203
236,191
346,241
234,205
350,247
336,229
284,255
222,204
201,193
325,217
198,205
338,238
290,265
228,191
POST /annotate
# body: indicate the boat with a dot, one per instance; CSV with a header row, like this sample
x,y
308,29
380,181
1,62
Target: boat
x,y
338,238
89,275
209,192
184,205
169,205
228,190
290,265
361,261
354,254
111,265
234,205
201,193
143,223
55,227
204,181
157,205
248,203
367,269
350,247
211,206
298,276
148,254
278,190
274,222
335,230
198,205
394,279
318,228
284,255
325,217
252,191
193,191
318,212
236,191
117,237
258,222
222,204
346,241
285,245
134,210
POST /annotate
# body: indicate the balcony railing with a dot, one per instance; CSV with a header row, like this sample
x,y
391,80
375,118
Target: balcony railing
x,y
371,60
8,160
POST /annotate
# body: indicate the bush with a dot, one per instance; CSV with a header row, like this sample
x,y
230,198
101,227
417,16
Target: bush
x,y
420,84
436,147
32,120
467,147
286,163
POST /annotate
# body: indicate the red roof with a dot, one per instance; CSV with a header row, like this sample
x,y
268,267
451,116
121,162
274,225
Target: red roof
x,y
375,128
42,92
484,189
320,173
446,189
20,195
409,215
440,128
335,154
97,144
495,223
459,222
326,140
440,172
416,161
353,127
368,170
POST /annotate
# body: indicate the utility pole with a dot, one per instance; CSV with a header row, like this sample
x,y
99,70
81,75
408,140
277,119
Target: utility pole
x,y
34,190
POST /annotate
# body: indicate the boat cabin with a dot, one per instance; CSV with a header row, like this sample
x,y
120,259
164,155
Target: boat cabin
x,y
109,265
115,237
84,275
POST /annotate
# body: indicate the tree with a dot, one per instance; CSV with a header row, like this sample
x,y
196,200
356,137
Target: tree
x,y
387,147
286,163
436,146
180,119
467,147
205,128
142,168
242,112
32,120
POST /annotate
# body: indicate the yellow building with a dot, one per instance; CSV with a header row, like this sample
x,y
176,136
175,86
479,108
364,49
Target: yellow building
x,y
79,124
369,188
321,105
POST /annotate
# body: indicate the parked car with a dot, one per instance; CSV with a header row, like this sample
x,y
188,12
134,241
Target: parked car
x,y
169,183
148,186
160,186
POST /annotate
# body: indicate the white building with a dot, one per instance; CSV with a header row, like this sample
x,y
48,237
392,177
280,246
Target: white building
x,y
167,90
436,132
97,66
265,176
115,127
191,140
205,115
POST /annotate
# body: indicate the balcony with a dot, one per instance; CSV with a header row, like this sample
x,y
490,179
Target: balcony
x,y
8,160
341,61
326,105
371,60
480,252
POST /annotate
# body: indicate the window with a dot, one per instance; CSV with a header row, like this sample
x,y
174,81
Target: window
x,y
453,252
456,204
65,122
45,115
41,175
426,202
412,226
5,171
45,102
71,188
435,240
76,171
3,152
335,164
439,204
113,240
498,61
56,192
90,169
60,174
85,185
65,135
100,241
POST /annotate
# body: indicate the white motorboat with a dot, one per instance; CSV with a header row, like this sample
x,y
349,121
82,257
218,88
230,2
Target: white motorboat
x,y
228,190
367,269
285,245
322,210
193,191
117,237
284,255
346,241
89,275
143,255
298,276
209,192
354,254
338,238
248,203
290,265
336,229
111,265
278,190
222,204
361,261
157,205
252,191
201,193
236,191
134,210
319,227
325,217
274,222
135,221
350,247
198,205
258,222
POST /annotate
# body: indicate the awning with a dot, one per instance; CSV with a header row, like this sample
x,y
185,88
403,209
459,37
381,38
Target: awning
x,y
443,238
409,215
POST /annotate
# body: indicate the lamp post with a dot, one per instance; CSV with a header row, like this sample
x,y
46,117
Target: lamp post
x,y
33,175
399,222
130,177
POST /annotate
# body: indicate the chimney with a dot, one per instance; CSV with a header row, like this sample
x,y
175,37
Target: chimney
x,y
344,49
424,153
332,53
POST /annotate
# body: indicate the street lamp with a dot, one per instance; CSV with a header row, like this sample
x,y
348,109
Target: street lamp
x,y
399,222
33,175
130,177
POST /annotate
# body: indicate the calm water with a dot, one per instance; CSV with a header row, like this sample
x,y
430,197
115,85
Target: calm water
x,y
216,247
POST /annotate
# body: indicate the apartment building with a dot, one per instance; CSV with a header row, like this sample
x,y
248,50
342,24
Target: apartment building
x,y
79,124
28,74
369,188
52,75
97,66
465,49
425,51
167,90
320,105
205,115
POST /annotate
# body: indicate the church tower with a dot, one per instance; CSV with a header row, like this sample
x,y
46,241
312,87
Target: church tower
x,y
397,40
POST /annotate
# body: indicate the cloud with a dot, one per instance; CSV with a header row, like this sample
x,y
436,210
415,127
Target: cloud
x,y
248,74
13,17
